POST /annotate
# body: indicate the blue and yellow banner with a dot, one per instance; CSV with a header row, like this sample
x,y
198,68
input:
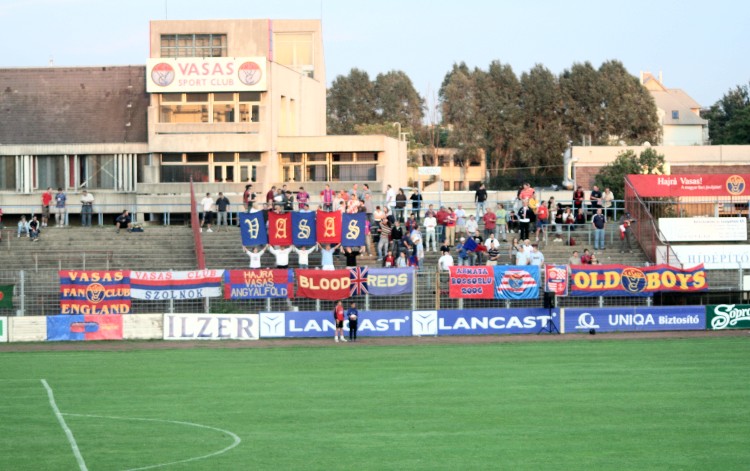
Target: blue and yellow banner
x,y
516,282
303,228
253,229
623,280
95,292
353,230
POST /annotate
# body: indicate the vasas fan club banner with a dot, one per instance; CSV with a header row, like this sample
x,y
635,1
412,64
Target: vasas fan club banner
x,y
258,284
158,285
94,292
329,285
622,280
328,227
279,228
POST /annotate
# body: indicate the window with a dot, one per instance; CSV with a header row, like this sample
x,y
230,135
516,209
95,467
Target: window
x,y
193,45
50,171
291,158
675,114
194,108
249,156
183,173
8,173
295,50
97,171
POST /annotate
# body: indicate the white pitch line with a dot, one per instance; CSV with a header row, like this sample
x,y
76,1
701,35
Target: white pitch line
x,y
236,442
68,433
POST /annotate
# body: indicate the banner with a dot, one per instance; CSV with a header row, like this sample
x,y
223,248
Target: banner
x,y
703,229
516,282
160,285
556,279
353,230
719,184
358,277
622,280
321,324
390,281
206,74
634,318
471,282
6,296
328,227
279,228
94,292
303,229
329,285
3,329
211,326
493,321
712,257
728,316
94,327
258,284
253,229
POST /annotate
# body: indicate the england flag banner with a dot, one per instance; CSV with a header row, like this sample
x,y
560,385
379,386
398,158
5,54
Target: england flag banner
x,y
303,229
161,285
353,230
253,229
517,282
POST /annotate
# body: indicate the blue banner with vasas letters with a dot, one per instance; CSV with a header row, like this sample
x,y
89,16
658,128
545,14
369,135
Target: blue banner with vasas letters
x,y
635,319
303,228
253,229
495,321
321,324
353,229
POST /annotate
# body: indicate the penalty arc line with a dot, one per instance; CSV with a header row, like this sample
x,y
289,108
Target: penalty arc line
x,y
68,432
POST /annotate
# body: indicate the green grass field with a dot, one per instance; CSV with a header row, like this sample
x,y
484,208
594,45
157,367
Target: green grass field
x,y
604,405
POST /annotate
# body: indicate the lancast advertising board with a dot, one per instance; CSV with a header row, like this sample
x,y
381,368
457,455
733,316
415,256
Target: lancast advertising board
x,y
321,324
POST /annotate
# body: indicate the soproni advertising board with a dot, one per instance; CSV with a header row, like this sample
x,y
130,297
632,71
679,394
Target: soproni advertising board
x,y
728,316
633,319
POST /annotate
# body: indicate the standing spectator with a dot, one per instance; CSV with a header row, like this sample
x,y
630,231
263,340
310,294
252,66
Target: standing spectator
x,y
480,196
303,255
123,220
598,221
385,237
430,211
368,237
326,256
282,255
460,220
461,252
402,261
271,196
536,257
416,202
369,208
608,198
327,197
522,257
501,222
351,256
366,191
207,204
525,217
34,229
222,205
354,191
430,224
625,222
493,251
248,198
60,212
578,196
23,227
87,207
255,255
472,227
352,314
352,206
580,218
390,199
441,216
411,223
302,198
513,223
450,228
46,200
378,215
490,222
397,234
542,219
338,317
445,261
595,197
400,205
526,192
574,259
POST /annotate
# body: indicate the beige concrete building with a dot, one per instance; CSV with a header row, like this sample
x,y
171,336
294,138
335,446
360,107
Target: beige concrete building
x,y
679,114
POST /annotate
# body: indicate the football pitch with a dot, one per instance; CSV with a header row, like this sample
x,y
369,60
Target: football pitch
x,y
603,404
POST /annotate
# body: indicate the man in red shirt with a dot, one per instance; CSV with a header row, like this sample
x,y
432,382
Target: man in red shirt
x,y
338,317
542,217
46,199
441,216
490,221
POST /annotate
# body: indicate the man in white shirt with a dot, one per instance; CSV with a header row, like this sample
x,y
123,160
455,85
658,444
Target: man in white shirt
x,y
87,208
390,198
492,242
430,223
460,220
282,255
207,204
304,256
255,256
472,227
445,262
536,257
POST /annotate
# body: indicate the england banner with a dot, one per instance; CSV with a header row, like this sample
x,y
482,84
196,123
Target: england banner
x,y
258,284
253,229
358,276
328,225
94,292
162,285
330,285
303,229
472,282
390,281
623,280
517,282
353,230
279,228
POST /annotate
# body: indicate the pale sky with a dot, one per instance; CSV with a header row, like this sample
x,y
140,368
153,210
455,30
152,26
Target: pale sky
x,y
700,47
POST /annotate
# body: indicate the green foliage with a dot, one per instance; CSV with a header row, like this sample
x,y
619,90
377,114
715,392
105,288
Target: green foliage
x,y
729,118
626,163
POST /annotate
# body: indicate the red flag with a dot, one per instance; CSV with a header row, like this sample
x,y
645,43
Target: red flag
x,y
330,285
280,228
328,225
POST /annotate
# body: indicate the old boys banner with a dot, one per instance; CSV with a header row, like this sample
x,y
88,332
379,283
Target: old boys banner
x,y
157,285
390,281
329,285
472,282
258,283
94,292
516,282
353,230
328,226
253,229
622,280
303,228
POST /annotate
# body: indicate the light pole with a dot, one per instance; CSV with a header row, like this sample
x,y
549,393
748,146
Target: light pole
x,y
398,125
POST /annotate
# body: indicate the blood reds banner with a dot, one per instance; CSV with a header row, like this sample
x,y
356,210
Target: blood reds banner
x,y
94,292
622,280
472,282
328,225
353,230
279,228
253,229
303,229
556,279
720,184
390,281
160,285
329,285
84,327
258,284
517,282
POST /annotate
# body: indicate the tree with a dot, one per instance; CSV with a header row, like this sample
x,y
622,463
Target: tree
x,y
729,118
613,175
584,97
350,101
396,100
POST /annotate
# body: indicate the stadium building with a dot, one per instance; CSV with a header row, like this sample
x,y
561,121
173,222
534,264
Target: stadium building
x,y
221,102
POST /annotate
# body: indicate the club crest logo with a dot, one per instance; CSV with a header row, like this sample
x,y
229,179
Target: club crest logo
x,y
162,74
95,293
249,73
633,280
516,281
735,185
